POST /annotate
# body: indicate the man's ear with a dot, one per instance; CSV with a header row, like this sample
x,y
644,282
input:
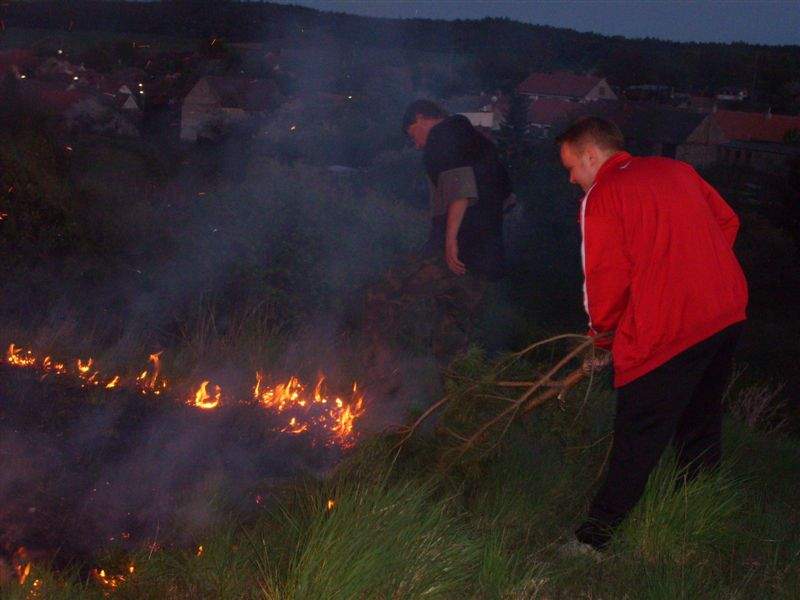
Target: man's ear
x,y
592,154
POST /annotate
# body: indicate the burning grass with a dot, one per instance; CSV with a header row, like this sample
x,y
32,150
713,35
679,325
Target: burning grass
x,y
393,526
329,417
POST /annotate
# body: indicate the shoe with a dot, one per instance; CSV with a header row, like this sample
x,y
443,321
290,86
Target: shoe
x,y
575,548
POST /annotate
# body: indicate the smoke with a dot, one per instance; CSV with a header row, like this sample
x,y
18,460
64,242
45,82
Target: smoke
x,y
248,252
78,476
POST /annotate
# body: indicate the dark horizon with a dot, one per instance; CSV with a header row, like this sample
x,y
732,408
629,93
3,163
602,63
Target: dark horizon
x,y
766,23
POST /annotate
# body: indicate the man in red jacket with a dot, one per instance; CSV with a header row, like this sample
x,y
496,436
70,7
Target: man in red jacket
x,y
661,280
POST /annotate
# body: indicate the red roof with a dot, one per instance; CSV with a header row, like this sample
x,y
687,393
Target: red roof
x,y
558,84
759,127
546,111
50,97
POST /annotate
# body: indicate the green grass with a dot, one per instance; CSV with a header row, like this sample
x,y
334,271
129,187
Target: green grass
x,y
400,528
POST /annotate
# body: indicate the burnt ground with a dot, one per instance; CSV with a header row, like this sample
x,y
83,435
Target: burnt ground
x,y
85,469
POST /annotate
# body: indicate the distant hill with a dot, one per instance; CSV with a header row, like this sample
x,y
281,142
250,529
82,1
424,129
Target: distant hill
x,y
499,52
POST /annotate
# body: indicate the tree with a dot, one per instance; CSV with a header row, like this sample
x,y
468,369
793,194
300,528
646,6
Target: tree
x,y
514,139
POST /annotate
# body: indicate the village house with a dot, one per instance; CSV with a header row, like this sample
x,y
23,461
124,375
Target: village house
x,y
215,104
756,140
649,129
732,94
566,86
75,108
544,113
484,111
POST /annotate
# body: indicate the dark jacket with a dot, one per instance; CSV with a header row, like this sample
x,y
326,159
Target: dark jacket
x,y
460,162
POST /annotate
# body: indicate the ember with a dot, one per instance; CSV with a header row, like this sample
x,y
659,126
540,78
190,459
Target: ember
x,y
111,581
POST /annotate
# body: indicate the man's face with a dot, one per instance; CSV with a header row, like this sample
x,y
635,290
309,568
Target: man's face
x,y
418,131
582,164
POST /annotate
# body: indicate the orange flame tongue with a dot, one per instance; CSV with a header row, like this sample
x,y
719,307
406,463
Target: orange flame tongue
x,y
22,564
302,409
19,358
203,400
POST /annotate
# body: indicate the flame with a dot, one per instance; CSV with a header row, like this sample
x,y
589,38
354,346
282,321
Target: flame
x,y
22,564
330,504
199,552
314,410
203,400
346,418
53,367
155,359
20,358
150,382
295,427
112,581
303,409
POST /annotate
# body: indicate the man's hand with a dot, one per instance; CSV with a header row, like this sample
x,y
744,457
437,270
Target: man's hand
x,y
455,214
596,362
451,257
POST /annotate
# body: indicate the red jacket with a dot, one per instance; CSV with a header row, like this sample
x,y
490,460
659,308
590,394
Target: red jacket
x,y
658,261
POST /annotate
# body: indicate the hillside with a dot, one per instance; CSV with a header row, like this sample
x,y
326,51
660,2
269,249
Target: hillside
x,y
499,52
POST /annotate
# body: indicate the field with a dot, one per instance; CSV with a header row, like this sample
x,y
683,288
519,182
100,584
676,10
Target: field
x,y
252,255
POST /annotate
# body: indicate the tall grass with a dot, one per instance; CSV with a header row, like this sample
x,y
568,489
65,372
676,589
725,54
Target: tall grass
x,y
375,542
679,520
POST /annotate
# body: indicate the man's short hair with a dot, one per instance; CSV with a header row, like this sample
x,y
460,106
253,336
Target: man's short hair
x,y
425,108
600,131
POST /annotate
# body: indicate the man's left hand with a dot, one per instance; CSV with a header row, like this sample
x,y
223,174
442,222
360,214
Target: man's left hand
x,y
596,362
451,258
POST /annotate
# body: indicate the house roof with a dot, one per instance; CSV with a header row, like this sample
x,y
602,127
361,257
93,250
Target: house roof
x,y
766,147
478,103
240,92
546,111
558,84
51,97
760,127
641,121
665,125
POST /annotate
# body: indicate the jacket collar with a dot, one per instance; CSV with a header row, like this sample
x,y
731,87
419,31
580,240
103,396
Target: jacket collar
x,y
615,161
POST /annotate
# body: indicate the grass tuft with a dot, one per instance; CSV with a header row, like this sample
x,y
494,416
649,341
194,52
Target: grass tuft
x,y
376,542
680,521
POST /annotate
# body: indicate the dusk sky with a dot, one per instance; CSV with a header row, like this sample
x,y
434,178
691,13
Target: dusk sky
x,y
765,22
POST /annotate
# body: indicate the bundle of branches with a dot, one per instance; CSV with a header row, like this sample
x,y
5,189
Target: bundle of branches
x,y
475,414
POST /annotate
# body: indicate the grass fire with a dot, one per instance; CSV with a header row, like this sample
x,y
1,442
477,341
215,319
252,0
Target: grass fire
x,y
328,418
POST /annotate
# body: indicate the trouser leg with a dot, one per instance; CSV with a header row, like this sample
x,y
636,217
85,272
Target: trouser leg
x,y
643,426
649,411
698,437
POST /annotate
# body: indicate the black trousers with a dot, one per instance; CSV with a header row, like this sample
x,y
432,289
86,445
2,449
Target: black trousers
x,y
679,402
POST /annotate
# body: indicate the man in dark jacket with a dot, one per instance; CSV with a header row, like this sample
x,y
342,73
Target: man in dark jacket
x,y
429,305
469,189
